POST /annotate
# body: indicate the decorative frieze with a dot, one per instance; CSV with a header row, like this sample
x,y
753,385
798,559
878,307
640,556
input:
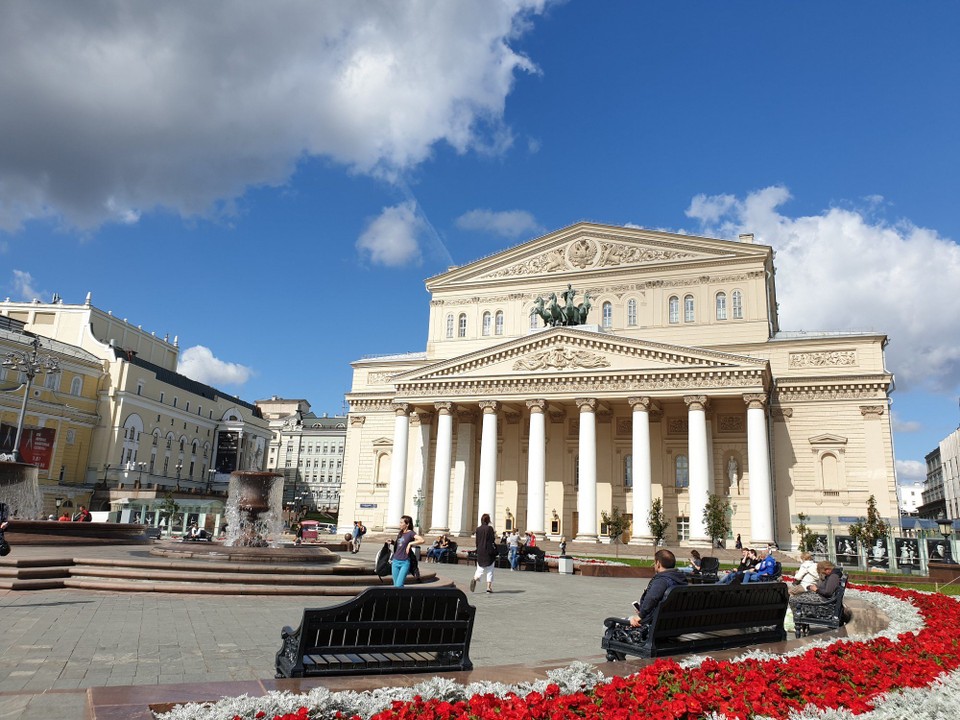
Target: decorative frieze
x,y
730,423
832,358
624,426
832,392
560,358
381,378
871,410
677,426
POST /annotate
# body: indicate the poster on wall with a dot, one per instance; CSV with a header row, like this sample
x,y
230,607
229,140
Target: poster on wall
x,y
939,551
36,444
908,553
878,554
846,550
228,445
820,547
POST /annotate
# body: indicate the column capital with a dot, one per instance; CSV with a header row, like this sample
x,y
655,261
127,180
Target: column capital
x,y
444,408
401,408
489,406
640,403
357,420
695,402
421,417
755,401
871,410
586,404
537,406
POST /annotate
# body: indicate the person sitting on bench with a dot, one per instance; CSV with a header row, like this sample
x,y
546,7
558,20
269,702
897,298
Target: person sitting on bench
x,y
440,546
765,567
748,561
667,577
197,533
823,590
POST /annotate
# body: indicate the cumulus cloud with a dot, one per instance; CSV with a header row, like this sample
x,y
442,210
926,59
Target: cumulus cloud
x,y
910,471
906,426
112,109
200,364
24,286
392,238
844,270
508,223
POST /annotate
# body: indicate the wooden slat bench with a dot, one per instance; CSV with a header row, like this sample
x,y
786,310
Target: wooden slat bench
x,y
382,630
694,618
827,614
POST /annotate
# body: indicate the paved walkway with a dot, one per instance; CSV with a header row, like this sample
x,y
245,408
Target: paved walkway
x,y
54,644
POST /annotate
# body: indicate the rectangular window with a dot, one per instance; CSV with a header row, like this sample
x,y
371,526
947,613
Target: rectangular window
x,y
161,397
683,529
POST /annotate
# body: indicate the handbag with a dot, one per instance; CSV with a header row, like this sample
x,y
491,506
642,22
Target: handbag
x,y
4,546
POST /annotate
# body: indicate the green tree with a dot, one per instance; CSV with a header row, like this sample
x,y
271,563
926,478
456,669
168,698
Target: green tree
x,y
867,530
617,524
169,507
807,536
716,515
658,523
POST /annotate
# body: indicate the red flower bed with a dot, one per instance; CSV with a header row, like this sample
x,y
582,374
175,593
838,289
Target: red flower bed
x,y
845,675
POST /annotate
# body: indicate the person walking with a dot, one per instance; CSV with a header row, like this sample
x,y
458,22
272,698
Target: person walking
x,y
513,545
486,553
406,538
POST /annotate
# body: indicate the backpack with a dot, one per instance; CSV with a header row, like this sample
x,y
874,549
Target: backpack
x,y
382,564
363,529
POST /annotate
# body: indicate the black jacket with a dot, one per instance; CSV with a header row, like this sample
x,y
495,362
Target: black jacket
x,y
653,595
485,544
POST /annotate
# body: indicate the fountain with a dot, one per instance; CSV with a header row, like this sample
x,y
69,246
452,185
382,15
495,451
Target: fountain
x,y
20,491
254,503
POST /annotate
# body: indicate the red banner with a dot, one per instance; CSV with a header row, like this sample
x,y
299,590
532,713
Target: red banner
x,y
36,444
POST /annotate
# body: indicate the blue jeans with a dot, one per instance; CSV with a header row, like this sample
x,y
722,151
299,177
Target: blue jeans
x,y
400,568
752,577
727,579
514,558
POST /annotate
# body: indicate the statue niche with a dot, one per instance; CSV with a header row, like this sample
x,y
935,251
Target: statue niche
x,y
564,312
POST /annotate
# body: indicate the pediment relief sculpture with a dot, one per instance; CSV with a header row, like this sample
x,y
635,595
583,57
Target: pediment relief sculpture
x,y
560,358
586,253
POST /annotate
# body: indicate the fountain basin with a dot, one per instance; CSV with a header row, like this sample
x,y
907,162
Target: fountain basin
x,y
48,532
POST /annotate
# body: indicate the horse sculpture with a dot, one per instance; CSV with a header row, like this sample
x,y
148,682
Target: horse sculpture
x,y
554,314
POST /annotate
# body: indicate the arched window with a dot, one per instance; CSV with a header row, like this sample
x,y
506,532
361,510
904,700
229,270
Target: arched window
x,y
462,325
688,308
674,305
683,471
631,312
607,315
449,326
498,324
721,306
485,327
76,386
737,305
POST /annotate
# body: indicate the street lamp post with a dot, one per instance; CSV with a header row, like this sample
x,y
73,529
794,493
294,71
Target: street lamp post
x,y
140,467
59,502
210,475
179,467
418,500
29,363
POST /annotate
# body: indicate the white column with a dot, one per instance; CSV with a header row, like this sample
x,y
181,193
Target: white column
x,y
420,421
641,470
699,467
488,462
758,465
440,518
462,523
398,468
587,497
536,467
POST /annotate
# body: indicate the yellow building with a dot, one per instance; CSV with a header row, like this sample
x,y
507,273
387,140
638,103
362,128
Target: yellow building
x,y
679,385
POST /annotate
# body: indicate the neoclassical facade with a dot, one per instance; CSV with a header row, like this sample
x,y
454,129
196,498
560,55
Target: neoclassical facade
x,y
680,384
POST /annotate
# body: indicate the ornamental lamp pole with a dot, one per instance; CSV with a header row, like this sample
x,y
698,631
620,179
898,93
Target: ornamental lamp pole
x,y
29,363
418,500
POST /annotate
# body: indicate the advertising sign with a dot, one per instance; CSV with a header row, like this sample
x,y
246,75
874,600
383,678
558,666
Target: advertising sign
x,y
228,445
36,444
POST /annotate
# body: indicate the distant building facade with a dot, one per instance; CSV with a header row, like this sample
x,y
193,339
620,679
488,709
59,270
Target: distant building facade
x,y
158,431
308,450
680,385
911,497
941,493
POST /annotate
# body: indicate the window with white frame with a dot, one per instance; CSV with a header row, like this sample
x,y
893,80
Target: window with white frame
x,y
682,471
498,324
607,314
462,325
449,326
674,309
631,312
721,306
688,315
683,528
485,326
76,386
737,305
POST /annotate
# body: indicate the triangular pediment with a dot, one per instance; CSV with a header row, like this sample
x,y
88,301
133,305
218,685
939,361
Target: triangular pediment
x,y
383,442
568,350
828,439
586,247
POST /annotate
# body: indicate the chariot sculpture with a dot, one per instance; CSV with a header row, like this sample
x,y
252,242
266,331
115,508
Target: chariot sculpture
x,y
565,312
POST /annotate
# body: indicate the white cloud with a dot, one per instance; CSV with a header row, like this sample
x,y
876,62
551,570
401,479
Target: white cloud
x,y
392,238
843,270
909,471
114,108
906,426
508,223
24,287
199,363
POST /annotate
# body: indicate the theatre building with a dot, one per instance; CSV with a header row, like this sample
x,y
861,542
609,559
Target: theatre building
x,y
676,384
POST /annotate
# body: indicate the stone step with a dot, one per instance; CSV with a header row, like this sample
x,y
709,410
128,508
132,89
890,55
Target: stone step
x,y
264,575
127,585
32,584
28,573
233,568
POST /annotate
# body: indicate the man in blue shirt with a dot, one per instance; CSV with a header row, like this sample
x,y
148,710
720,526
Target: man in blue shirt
x,y
765,568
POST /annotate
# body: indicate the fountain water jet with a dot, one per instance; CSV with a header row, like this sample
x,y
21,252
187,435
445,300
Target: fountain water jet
x,y
253,512
20,490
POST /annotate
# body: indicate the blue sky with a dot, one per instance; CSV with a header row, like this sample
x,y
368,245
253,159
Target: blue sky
x,y
272,182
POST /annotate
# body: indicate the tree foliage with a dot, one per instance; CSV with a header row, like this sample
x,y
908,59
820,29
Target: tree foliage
x,y
617,524
807,536
716,515
658,523
867,530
